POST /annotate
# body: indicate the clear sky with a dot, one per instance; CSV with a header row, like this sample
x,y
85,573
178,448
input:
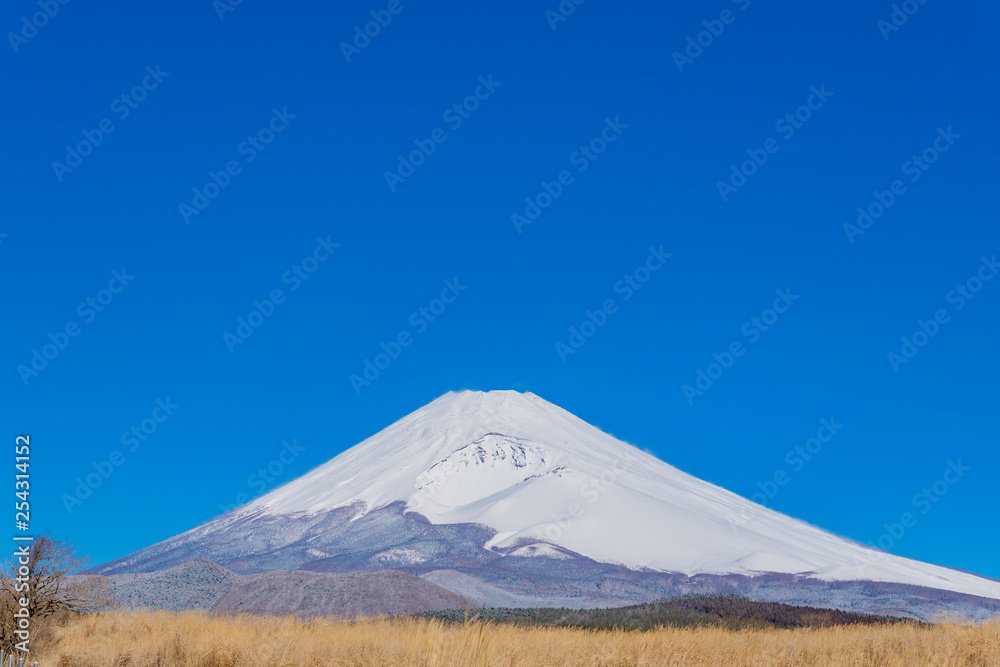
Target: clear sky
x,y
211,154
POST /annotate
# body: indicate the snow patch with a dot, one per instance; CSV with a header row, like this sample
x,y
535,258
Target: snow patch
x,y
399,556
317,553
540,550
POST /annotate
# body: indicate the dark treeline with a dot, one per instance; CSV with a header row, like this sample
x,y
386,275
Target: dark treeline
x,y
730,611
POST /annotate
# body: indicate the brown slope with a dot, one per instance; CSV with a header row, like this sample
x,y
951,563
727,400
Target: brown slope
x,y
371,593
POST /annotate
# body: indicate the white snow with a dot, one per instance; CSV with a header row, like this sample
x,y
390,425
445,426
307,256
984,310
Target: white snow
x,y
540,550
399,556
538,474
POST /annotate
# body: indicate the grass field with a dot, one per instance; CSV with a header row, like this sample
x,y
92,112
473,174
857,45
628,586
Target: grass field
x,y
188,639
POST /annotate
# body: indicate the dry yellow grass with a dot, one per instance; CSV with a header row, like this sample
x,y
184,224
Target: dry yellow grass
x,y
188,639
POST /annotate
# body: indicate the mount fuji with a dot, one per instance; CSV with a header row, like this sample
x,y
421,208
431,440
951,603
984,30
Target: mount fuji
x,y
507,499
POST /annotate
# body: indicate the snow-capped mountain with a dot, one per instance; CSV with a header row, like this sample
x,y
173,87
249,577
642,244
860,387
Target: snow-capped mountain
x,y
501,480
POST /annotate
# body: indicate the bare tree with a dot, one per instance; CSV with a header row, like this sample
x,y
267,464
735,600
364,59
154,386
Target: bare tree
x,y
42,574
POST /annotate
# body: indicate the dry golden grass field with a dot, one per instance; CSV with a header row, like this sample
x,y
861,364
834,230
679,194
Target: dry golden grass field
x,y
188,639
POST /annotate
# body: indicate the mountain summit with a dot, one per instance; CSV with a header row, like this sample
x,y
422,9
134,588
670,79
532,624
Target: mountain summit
x,y
505,491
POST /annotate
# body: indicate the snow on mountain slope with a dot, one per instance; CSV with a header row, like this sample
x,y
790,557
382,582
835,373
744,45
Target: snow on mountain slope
x,y
540,476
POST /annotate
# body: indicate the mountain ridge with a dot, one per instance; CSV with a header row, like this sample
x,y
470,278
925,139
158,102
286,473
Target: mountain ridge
x,y
474,480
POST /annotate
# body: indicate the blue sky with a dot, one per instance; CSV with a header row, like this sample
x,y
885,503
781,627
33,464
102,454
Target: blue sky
x,y
250,154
